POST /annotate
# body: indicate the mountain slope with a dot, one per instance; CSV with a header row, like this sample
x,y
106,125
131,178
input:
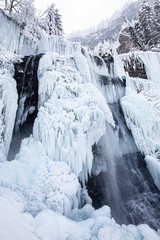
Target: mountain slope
x,y
112,29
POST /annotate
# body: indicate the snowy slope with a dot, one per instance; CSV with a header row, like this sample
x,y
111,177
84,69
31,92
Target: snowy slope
x,y
112,27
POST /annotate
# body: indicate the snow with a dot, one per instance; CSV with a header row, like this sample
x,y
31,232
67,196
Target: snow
x,y
15,224
42,182
72,112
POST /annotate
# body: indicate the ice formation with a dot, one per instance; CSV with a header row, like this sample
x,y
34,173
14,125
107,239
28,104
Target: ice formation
x,y
15,224
72,112
41,182
141,105
8,108
71,118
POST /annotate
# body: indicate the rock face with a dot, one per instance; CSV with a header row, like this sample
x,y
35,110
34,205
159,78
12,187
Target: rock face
x,y
126,43
135,68
27,87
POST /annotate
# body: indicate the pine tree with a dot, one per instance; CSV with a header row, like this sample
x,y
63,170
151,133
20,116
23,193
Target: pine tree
x,y
49,20
146,24
58,23
156,8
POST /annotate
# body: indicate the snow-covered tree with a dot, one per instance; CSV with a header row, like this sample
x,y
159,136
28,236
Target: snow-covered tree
x,y
58,23
49,20
26,14
12,5
146,24
145,31
52,23
156,8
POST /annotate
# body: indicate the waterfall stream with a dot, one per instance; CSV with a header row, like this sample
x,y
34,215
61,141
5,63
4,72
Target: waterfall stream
x,y
27,87
119,176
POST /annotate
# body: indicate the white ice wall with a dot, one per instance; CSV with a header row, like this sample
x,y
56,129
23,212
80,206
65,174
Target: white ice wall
x,y
72,111
141,106
8,108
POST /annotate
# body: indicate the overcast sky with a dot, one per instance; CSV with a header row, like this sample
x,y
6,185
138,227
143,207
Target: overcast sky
x,y
82,14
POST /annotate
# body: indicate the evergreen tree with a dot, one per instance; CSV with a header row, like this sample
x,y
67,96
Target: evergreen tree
x,y
58,23
49,20
156,8
146,24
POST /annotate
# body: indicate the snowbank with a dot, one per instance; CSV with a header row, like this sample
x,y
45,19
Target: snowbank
x,y
15,224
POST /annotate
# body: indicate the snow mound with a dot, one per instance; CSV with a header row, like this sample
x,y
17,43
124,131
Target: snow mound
x,y
15,224
72,113
41,182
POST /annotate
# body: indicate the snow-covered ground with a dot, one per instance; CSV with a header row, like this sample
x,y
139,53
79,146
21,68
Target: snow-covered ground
x,y
15,224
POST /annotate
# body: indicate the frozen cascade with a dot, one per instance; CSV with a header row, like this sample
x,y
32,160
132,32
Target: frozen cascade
x,y
120,178
8,108
141,107
72,111
35,190
27,87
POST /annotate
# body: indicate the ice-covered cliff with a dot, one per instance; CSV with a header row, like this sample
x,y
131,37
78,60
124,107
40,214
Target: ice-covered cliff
x,y
141,104
42,181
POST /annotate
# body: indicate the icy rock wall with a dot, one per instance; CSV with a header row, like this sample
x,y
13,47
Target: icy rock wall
x,y
14,39
141,106
103,77
57,44
72,111
10,36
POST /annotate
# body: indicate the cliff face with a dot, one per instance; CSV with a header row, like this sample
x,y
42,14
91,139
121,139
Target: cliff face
x,y
126,43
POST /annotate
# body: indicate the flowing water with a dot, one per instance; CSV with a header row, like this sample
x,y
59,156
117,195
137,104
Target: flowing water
x,y
119,176
27,87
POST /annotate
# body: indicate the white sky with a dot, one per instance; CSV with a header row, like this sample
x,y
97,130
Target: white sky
x,y
82,14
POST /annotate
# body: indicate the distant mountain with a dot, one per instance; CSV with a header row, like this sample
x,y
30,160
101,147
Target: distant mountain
x,y
113,26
